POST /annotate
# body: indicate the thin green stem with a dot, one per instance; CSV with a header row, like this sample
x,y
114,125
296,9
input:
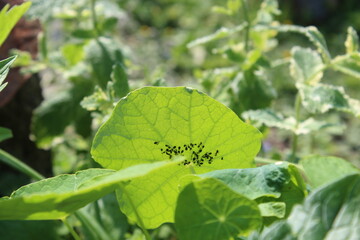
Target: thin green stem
x,y
248,26
294,144
94,17
139,220
92,225
19,165
261,160
71,230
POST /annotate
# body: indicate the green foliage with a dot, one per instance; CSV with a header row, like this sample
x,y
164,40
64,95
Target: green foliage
x,y
322,170
57,197
4,70
149,119
10,17
207,209
333,220
5,134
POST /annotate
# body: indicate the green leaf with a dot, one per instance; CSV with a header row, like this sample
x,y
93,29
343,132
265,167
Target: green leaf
x,y
219,34
5,133
73,53
119,77
273,119
330,212
280,183
348,64
8,18
352,41
319,41
272,209
322,98
102,55
57,197
321,170
267,180
306,65
208,209
145,127
148,119
251,90
52,117
4,70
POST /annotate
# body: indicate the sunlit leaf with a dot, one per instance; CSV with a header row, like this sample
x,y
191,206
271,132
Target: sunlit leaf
x,y
4,70
8,18
348,64
352,41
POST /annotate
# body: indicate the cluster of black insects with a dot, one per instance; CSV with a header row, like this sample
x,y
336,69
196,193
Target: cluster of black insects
x,y
197,156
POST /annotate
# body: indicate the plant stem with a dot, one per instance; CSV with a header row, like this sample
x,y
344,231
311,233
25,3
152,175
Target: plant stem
x,y
139,220
294,143
248,26
94,18
92,225
71,230
261,160
19,165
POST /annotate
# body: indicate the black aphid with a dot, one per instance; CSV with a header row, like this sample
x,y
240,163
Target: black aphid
x,y
156,143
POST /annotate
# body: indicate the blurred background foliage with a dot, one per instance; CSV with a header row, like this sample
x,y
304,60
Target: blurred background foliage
x,y
92,53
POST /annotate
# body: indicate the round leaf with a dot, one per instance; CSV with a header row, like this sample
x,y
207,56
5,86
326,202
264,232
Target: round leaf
x,y
208,209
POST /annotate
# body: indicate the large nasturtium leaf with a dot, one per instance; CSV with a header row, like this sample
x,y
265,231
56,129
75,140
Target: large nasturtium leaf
x,y
330,212
57,197
322,98
306,65
156,123
320,170
208,209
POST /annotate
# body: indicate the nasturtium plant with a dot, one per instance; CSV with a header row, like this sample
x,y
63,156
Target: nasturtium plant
x,y
330,212
57,197
154,124
208,209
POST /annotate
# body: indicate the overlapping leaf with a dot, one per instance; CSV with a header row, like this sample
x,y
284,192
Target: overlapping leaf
x,y
330,212
57,197
4,70
208,209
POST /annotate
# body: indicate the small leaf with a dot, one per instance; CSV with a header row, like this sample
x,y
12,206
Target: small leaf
x,y
270,118
119,77
322,98
348,64
102,55
272,209
8,18
219,34
319,41
4,70
251,90
57,197
208,209
352,41
5,134
73,53
322,170
306,65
